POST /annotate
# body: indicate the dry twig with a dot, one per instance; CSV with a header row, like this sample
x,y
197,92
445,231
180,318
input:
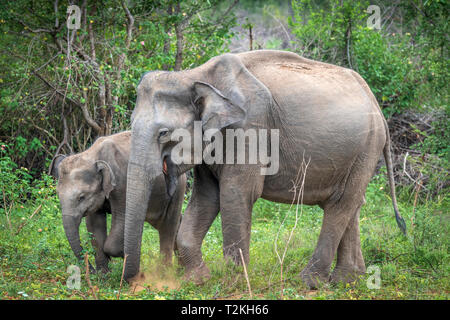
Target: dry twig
x,y
246,274
26,221
88,280
298,188
121,278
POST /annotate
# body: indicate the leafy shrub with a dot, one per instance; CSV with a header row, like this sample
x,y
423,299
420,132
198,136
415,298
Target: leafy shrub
x,y
324,30
21,194
404,69
386,67
15,182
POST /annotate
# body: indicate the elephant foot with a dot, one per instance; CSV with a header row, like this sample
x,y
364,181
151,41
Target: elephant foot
x,y
103,269
101,263
346,274
92,270
198,275
314,278
101,266
137,283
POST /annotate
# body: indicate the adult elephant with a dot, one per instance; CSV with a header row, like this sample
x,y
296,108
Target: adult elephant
x,y
324,114
93,183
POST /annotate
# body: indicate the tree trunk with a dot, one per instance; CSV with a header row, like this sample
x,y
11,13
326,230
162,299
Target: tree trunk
x,y
179,34
166,48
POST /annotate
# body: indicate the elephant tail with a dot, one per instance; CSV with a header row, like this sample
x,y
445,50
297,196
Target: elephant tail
x,y
387,157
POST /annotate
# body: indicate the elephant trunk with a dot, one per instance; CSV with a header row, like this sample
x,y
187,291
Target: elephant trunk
x,y
144,167
71,225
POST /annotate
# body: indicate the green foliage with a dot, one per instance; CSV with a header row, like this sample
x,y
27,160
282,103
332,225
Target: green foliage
x,y
338,34
429,29
15,182
324,30
386,66
404,69
45,83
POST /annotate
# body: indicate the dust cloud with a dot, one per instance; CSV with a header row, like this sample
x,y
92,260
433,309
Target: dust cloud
x,y
156,277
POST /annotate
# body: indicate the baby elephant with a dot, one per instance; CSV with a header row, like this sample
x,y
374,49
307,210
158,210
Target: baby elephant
x,y
93,182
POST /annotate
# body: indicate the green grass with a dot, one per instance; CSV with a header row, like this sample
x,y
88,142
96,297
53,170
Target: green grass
x,y
34,262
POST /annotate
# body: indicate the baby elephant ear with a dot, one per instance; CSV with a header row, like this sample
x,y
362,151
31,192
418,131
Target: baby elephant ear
x,y
53,169
108,178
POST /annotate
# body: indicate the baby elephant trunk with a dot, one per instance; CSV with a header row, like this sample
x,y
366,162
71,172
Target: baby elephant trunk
x,y
71,225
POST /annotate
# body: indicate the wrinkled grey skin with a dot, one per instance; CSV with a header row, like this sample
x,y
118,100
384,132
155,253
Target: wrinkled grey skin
x,y
93,182
325,114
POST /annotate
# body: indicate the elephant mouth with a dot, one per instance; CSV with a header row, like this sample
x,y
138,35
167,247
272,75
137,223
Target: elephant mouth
x,y
165,165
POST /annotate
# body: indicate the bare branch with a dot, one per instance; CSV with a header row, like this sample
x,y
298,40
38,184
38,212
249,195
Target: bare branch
x,y
26,221
91,41
55,6
55,89
130,23
87,116
39,30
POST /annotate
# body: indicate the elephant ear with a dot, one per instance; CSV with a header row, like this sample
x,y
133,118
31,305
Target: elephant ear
x,y
217,111
108,177
54,165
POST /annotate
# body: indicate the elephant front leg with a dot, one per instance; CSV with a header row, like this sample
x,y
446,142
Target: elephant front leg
x,y
169,227
113,246
96,224
240,187
200,213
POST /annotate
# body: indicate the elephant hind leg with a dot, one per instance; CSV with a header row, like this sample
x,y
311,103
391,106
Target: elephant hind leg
x,y
335,222
350,262
340,214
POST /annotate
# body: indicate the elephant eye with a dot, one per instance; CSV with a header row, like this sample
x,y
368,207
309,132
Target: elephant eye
x,y
81,198
163,132
164,135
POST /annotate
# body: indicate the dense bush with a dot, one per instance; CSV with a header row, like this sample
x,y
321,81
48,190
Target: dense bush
x,y
401,65
61,88
386,66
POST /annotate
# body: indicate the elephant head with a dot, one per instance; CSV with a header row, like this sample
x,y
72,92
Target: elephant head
x,y
211,95
84,183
